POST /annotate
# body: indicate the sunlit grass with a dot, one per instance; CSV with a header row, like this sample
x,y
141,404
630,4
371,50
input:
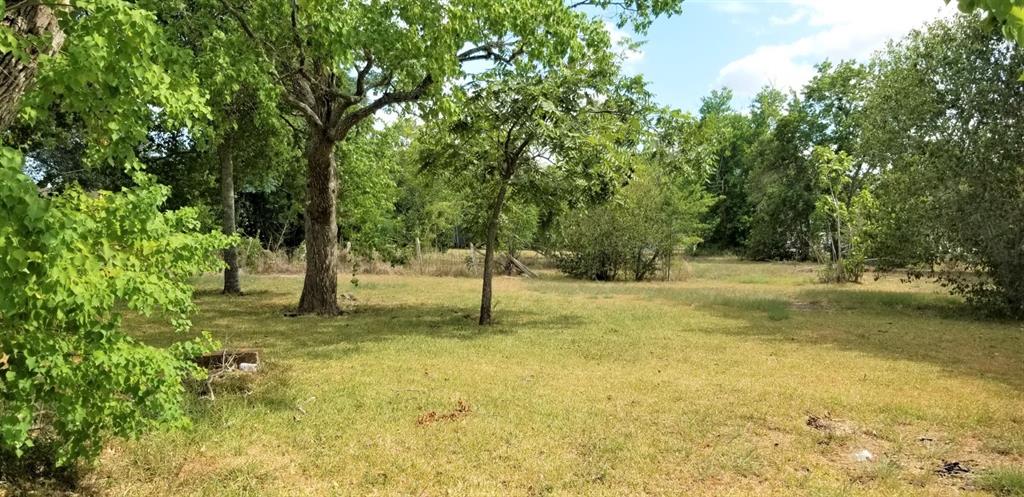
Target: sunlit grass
x,y
1004,482
695,387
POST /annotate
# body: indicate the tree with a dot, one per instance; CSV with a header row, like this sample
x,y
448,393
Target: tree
x,y
838,219
246,140
727,137
782,189
835,99
339,62
944,122
523,133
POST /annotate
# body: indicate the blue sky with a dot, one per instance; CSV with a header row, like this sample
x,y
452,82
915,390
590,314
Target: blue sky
x,y
745,44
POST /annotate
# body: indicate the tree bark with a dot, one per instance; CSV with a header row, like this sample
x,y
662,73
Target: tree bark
x,y
232,285
320,287
492,242
26,19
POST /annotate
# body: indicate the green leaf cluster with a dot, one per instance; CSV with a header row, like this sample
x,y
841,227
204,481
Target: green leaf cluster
x,y
70,266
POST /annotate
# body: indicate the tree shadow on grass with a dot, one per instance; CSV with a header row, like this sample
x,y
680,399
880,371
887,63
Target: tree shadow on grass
x,y
917,304
920,327
206,292
262,323
285,342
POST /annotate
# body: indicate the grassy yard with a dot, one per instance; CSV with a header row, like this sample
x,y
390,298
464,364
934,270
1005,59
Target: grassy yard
x,y
745,379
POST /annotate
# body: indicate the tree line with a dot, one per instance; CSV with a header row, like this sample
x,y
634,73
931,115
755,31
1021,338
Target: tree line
x,y
909,161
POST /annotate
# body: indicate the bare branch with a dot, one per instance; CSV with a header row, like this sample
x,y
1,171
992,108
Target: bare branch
x,y
305,109
344,125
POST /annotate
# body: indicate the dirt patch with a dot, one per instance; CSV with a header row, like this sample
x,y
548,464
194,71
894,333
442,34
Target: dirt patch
x,y
831,426
461,410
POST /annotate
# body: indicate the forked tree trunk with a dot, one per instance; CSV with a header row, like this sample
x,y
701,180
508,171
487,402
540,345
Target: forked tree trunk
x,y
232,285
24,18
492,242
320,287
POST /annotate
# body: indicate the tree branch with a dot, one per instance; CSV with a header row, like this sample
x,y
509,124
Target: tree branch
x,y
305,109
241,21
345,124
297,39
361,74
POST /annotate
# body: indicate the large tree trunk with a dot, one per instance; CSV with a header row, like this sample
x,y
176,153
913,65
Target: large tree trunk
x,y
320,288
492,245
26,19
227,202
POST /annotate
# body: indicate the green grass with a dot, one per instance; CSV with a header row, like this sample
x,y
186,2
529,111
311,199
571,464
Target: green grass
x,y
1004,482
695,387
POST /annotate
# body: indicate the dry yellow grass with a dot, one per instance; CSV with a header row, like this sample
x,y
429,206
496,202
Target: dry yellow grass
x,y
698,387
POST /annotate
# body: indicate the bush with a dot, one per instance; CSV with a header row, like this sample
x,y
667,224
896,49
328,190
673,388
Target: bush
x,y
69,266
636,234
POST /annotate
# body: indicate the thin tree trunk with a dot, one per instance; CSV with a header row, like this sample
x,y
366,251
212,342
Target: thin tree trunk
x,y
320,287
492,242
227,202
17,74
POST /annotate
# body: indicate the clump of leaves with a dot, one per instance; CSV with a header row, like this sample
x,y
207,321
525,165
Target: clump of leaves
x,y
70,265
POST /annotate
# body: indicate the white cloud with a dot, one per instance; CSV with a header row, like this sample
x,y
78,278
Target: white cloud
x,y
630,55
843,30
730,6
795,17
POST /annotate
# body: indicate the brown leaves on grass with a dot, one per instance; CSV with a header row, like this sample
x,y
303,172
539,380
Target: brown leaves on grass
x,y
461,410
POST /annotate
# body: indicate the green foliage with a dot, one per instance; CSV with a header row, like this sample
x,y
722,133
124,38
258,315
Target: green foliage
x,y
727,136
372,161
329,57
1008,15
636,234
119,71
835,100
71,265
782,189
944,118
428,206
836,224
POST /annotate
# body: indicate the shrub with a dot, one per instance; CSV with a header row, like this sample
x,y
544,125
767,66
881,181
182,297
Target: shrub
x,y
636,234
69,267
